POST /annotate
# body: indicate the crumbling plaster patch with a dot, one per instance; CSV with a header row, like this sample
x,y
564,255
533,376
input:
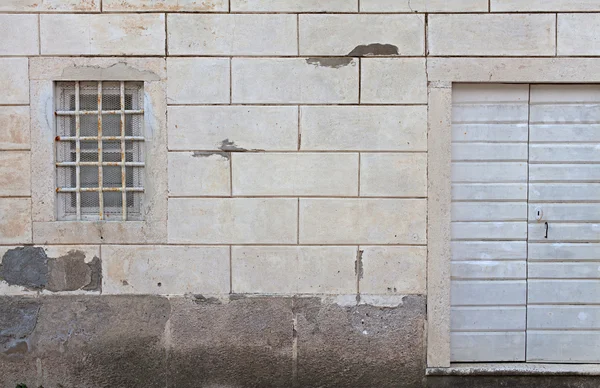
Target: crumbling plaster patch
x,y
31,268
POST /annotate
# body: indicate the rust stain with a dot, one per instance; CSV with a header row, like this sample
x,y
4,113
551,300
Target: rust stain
x,y
14,127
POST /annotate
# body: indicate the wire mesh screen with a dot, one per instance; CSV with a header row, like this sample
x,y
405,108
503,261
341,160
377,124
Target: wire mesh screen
x,y
99,150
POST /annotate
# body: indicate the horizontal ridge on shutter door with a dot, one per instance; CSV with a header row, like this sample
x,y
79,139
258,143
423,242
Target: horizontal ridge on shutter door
x,y
563,319
489,222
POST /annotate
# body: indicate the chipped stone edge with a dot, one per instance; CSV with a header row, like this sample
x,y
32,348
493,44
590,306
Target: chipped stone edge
x,y
44,71
342,300
441,74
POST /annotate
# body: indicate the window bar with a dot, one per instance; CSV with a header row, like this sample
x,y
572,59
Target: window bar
x,y
93,112
100,178
97,189
84,138
77,153
123,169
112,164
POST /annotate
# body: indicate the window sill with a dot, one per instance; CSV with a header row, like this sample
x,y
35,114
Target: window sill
x,y
516,369
100,232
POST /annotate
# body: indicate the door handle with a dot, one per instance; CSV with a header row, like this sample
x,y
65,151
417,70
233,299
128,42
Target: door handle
x,y
539,213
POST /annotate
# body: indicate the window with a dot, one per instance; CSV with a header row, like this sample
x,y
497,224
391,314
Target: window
x,y
99,150
136,215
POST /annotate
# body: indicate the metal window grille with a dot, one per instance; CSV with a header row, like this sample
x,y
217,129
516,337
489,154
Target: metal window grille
x,y
99,150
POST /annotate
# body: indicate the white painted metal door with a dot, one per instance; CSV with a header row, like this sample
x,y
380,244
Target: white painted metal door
x,y
526,223
489,222
563,311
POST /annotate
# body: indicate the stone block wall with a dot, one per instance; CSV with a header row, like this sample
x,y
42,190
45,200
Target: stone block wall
x,y
293,246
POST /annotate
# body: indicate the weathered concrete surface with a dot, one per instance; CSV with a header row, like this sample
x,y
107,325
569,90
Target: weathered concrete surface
x,y
245,342
513,381
18,318
360,346
85,341
202,341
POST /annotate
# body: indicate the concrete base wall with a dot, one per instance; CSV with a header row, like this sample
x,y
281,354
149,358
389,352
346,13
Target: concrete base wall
x,y
195,341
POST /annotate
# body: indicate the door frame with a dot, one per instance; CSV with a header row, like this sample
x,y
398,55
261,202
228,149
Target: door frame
x,y
442,73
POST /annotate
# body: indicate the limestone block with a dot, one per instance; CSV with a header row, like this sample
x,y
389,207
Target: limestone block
x,y
143,269
293,270
14,128
232,34
164,5
198,80
295,80
14,81
362,221
232,220
199,174
362,35
370,128
19,34
294,6
393,81
577,34
49,6
15,174
524,70
492,35
320,174
393,270
544,6
393,175
233,128
91,232
103,34
383,6
15,221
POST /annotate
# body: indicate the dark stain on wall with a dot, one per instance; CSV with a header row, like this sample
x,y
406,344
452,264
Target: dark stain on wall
x,y
199,154
358,265
373,49
95,283
31,268
227,145
334,63
25,266
199,298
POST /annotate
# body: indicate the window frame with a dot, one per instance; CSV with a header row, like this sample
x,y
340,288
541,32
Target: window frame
x,y
73,210
44,74
442,74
